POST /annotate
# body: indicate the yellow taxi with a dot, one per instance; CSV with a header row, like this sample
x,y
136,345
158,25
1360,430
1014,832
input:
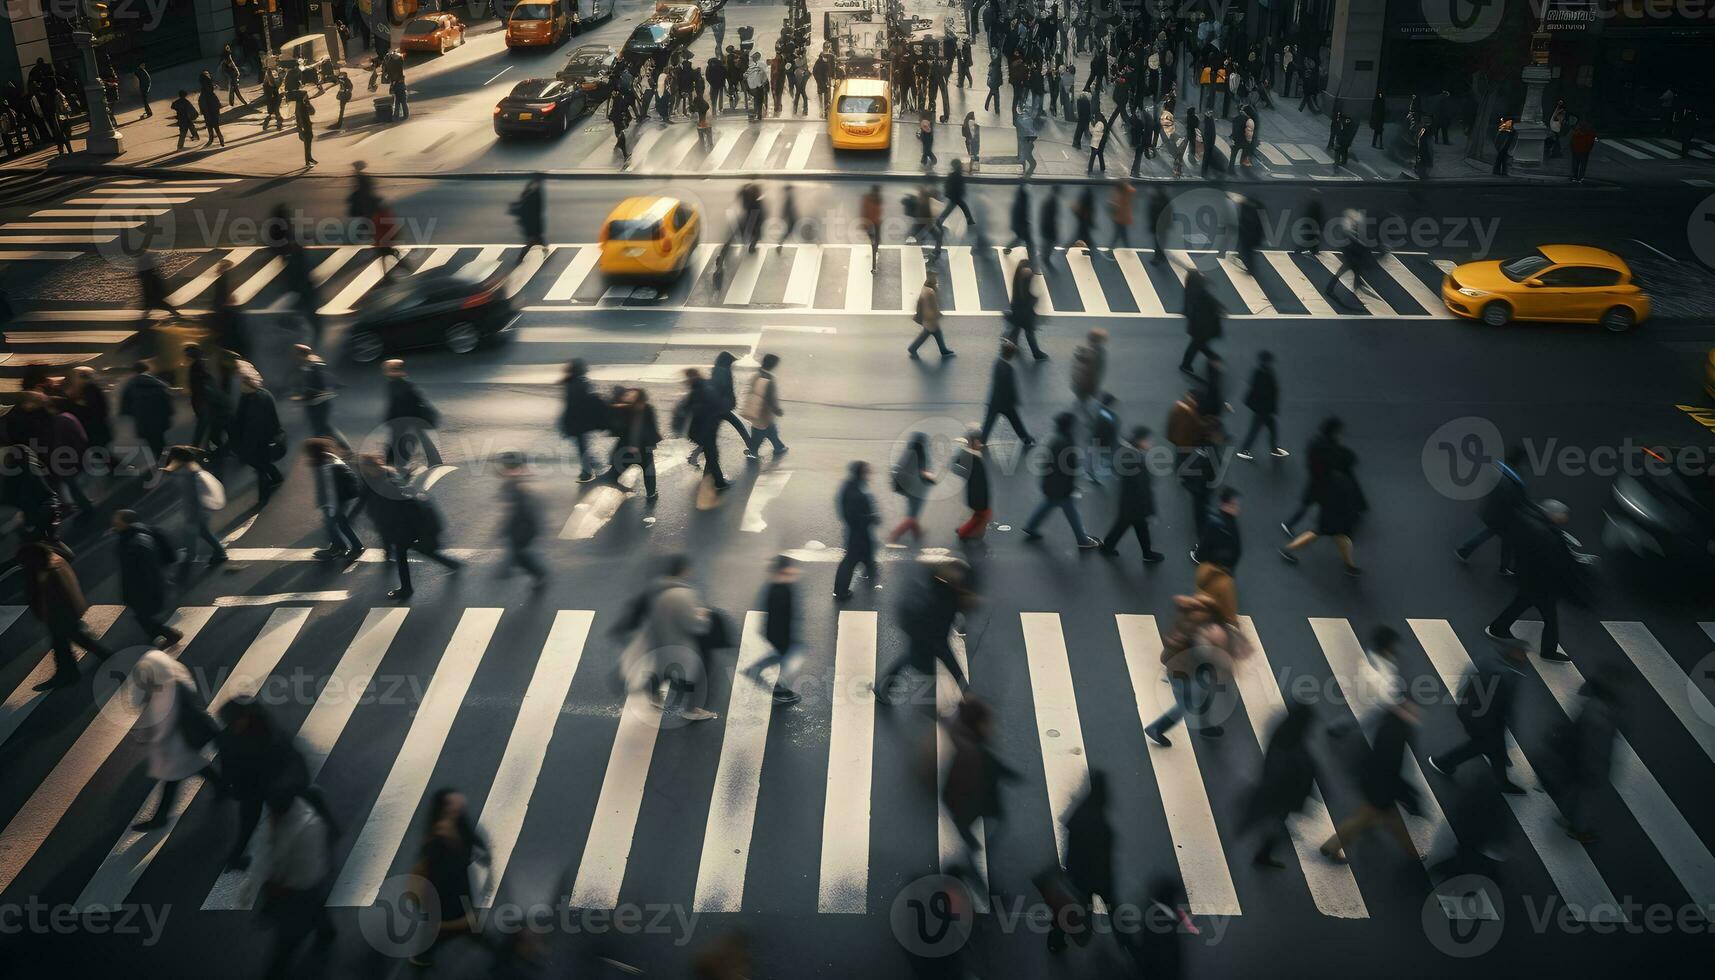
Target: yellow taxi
x,y
859,117
538,24
649,238
1556,283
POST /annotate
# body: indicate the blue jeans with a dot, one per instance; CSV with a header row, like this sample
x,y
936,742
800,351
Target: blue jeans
x,y
1480,537
196,528
1190,696
1067,506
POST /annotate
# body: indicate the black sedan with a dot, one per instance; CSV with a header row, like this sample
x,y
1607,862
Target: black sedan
x,y
1662,511
540,105
590,70
652,41
458,310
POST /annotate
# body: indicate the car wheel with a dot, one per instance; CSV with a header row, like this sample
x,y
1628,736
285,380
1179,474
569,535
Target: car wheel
x,y
463,337
365,347
1619,319
565,123
1497,314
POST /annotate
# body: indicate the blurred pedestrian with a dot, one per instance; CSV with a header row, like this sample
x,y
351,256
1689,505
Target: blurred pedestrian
x,y
313,386
928,315
405,518
185,117
521,518
1262,397
199,495
451,845
971,791
1549,571
582,412
338,496
1089,861
870,217
1202,319
970,462
1136,506
1021,313
1219,547
83,399
410,419
1003,395
230,74
55,598
1324,449
294,879
859,516
1384,787
148,402
1500,509
530,210
1060,483
666,655
912,480
258,440
1339,505
1288,779
303,111
1485,703
175,725
1585,753
698,415
636,433
780,628
762,409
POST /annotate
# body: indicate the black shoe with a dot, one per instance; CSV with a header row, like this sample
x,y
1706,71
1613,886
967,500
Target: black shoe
x,y
1030,535
1152,557
1556,656
1041,356
1495,634
219,559
842,596
1461,554
1108,552
399,595
1266,861
1157,736
1291,558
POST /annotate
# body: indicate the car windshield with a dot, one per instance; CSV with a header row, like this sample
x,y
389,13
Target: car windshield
x,y
423,27
862,103
1525,266
634,229
536,88
650,33
531,11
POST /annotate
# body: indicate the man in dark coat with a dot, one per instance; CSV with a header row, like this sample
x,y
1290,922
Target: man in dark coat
x,y
1378,119
859,516
257,438
1202,319
409,417
1089,858
1021,315
1288,778
148,402
1003,395
1484,707
1083,129
1262,397
1500,509
1137,497
522,519
582,412
1548,571
927,616
1059,482
144,552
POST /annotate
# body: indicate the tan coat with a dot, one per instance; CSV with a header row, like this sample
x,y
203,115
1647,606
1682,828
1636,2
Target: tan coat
x,y
929,309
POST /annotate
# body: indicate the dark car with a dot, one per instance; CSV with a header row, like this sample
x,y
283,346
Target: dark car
x,y
540,105
459,310
1663,510
590,70
653,40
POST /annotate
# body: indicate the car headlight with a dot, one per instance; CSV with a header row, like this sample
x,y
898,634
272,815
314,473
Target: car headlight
x,y
1468,291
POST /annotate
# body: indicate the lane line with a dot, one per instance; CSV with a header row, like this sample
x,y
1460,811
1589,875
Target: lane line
x,y
768,486
801,281
574,274
844,880
738,778
1138,281
1065,764
23,701
1090,293
607,849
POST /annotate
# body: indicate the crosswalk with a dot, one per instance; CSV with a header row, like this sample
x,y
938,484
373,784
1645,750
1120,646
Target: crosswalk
x,y
1060,693
1657,148
116,217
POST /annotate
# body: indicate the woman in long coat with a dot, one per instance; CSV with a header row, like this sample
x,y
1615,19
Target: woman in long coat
x,y
1288,776
1339,506
257,438
84,400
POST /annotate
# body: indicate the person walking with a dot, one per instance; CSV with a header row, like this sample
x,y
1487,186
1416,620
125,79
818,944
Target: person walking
x,y
1089,867
230,74
619,113
272,97
337,496
258,440
184,117
1500,509
148,402
175,725
970,463
1082,129
636,433
1339,506
1319,456
521,518
1021,313
859,516
140,74
1383,786
762,409
1585,751
582,412
451,846
1287,781
666,658
1262,397
725,395
1505,139
1219,548
954,190
405,518
780,628
869,215
410,418
1583,141
293,879
1485,707
972,790
342,95
1003,395
153,288
928,316
55,598
1137,497
1378,119
314,388
1021,227
994,81
1195,660
1060,482
199,495
912,480
302,114
927,616
401,97
1202,320
926,137
531,211
1548,572
209,104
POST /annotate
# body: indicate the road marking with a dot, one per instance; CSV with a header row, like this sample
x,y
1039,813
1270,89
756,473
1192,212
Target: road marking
x,y
801,282
115,225
135,850
36,255
441,255
801,148
1065,764
1427,298
1332,886
913,273
529,261
1680,847
47,806
130,192
744,278
767,487
844,880
233,601
498,74
962,268
248,289
401,796
757,158
1249,290
574,274
860,280
1568,863
56,239
332,264
527,747
339,697
1671,684
651,338
1299,283
346,299
69,336
105,202
104,213
1196,840
723,146
607,849
738,778
1138,281
1272,155
21,703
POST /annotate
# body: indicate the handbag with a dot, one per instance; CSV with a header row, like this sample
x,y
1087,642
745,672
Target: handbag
x,y
720,634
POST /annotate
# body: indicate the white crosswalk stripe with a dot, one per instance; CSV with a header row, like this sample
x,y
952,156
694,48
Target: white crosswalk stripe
x,y
844,867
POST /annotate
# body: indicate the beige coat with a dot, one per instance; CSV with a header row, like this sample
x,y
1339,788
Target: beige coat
x,y
929,309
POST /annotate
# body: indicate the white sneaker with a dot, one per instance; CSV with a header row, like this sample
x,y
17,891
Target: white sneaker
x,y
1244,455
1280,453
697,714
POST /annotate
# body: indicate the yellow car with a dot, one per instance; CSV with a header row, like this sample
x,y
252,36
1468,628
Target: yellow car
x,y
859,117
1558,283
649,238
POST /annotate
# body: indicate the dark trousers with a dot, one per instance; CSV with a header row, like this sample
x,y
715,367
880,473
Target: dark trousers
x,y
150,620
1376,138
341,537
1491,746
1124,522
624,457
1580,163
1198,345
1544,603
913,659
1011,415
399,555
1258,423
1012,333
925,334
711,448
857,553
522,554
320,417
62,635
294,916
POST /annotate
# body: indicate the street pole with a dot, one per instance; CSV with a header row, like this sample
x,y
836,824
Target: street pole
x,y
102,139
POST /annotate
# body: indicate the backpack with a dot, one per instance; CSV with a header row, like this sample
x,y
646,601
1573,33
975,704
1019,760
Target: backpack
x,y
210,494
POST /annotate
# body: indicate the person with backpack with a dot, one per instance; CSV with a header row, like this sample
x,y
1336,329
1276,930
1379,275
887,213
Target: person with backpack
x,y
144,553
199,494
337,494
